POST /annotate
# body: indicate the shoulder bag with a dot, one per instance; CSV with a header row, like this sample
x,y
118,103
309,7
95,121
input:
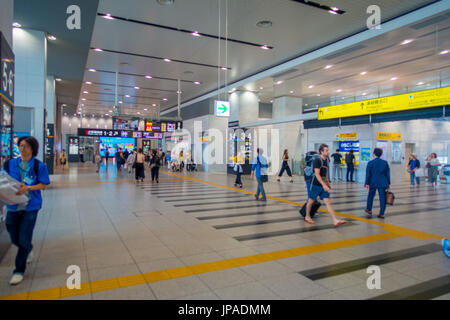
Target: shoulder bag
x,y
264,177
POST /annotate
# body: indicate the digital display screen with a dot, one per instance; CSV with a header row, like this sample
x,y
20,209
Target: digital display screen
x,y
113,144
346,146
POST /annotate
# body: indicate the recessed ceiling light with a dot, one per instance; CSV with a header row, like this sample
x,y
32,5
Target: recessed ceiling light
x,y
108,16
127,95
264,47
92,70
58,79
85,92
339,90
444,52
311,86
329,66
332,12
420,83
137,88
88,82
224,68
138,112
364,93
110,110
145,109
154,105
120,102
264,24
148,77
271,101
167,60
318,94
261,88
196,34
180,92
98,49
16,25
82,105
363,73
51,37
406,41
335,8
165,2
197,82
279,82
291,91
165,99
394,78
84,99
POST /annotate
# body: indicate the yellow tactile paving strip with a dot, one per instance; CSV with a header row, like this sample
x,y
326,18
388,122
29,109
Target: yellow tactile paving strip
x,y
100,182
138,279
401,231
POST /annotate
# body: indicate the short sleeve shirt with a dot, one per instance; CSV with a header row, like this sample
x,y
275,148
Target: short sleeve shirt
x,y
323,166
337,158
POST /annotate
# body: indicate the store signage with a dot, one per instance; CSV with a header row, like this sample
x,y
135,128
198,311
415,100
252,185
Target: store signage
x,y
392,136
118,133
222,108
157,126
347,146
7,71
149,126
73,145
346,136
401,102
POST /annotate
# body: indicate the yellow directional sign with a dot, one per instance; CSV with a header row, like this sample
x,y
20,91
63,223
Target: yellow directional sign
x,y
392,136
346,136
401,102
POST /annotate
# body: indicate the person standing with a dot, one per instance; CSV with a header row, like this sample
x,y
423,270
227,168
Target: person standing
x,y
337,170
350,161
63,159
140,169
285,166
106,157
181,157
378,177
130,161
433,168
413,166
155,163
321,187
260,166
238,169
98,160
168,159
81,155
21,218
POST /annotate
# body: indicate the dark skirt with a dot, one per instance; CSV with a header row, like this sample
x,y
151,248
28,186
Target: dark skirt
x,y
139,172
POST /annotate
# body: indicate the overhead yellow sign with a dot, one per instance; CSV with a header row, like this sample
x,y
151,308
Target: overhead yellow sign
x,y
393,136
401,102
346,136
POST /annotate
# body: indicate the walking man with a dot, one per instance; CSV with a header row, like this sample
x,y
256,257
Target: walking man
x,y
321,187
260,166
377,178
350,161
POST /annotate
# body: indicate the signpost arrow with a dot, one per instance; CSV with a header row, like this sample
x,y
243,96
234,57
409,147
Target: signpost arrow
x,y
223,108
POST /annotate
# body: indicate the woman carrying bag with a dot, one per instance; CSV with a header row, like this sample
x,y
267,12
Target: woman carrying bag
x,y
155,163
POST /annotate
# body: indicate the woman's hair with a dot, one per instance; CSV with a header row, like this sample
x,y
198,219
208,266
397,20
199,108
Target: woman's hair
x,y
434,154
32,142
140,150
285,151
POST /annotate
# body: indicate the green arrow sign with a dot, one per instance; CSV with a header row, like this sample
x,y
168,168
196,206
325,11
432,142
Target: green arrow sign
x,y
223,108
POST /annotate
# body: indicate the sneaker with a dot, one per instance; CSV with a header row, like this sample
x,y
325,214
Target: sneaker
x,y
256,197
16,279
446,247
30,257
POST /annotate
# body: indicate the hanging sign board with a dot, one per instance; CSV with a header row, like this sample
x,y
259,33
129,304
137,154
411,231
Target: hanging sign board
x,y
392,136
221,108
346,136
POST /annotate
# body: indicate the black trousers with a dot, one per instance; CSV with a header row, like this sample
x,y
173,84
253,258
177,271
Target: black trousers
x,y
285,166
155,173
350,170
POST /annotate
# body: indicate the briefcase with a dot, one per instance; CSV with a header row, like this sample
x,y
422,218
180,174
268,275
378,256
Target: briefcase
x,y
390,197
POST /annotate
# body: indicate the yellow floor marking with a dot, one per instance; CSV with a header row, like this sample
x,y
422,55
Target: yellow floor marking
x,y
107,181
401,231
138,279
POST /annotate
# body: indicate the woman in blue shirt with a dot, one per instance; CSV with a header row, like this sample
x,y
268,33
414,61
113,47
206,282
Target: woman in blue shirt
x,y
21,218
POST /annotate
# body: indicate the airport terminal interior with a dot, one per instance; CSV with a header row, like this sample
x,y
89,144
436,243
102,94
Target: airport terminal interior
x,y
225,150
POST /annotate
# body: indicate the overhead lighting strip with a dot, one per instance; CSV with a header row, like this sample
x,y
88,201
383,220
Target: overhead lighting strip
x,y
143,75
190,32
332,10
160,58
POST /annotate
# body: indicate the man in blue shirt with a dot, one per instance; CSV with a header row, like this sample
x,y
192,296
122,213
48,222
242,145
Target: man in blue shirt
x,y
21,218
260,166
377,178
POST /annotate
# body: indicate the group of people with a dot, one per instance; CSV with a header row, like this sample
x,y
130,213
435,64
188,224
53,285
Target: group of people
x,y
432,166
137,159
350,161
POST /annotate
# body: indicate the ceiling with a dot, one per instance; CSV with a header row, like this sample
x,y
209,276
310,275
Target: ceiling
x,y
66,56
417,65
296,29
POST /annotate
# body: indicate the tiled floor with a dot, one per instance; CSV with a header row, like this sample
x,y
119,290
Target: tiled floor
x,y
112,228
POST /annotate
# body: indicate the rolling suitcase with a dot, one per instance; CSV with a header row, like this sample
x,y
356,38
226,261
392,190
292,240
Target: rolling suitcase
x,y
316,205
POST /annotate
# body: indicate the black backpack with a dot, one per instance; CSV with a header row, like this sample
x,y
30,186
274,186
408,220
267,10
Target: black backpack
x,y
35,167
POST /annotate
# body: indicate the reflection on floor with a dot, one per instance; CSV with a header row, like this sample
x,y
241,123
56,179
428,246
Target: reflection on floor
x,y
194,236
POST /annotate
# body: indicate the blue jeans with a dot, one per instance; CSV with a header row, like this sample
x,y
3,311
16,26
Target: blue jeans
x,y
412,176
260,188
381,194
20,225
350,170
238,178
308,187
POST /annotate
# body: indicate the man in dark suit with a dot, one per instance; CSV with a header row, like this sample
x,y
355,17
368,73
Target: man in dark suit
x,y
377,178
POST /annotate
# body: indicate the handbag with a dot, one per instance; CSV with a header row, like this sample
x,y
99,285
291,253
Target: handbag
x,y
390,197
264,177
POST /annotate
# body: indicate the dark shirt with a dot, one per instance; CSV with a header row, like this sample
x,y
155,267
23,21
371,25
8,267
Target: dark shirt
x,y
323,165
349,158
337,158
